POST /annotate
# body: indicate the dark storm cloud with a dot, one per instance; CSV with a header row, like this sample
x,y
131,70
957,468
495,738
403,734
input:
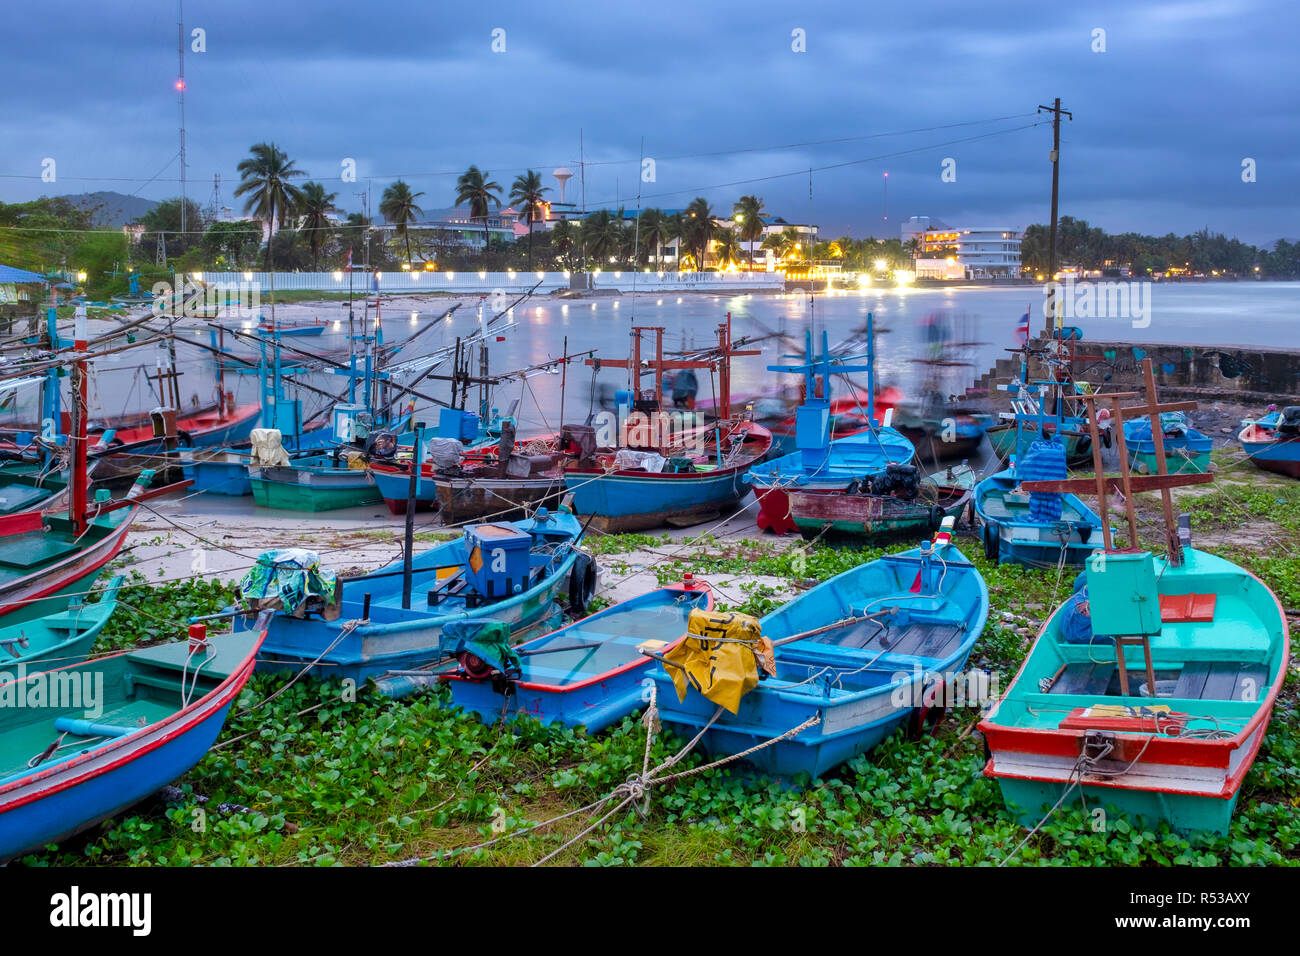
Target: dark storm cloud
x,y
1163,118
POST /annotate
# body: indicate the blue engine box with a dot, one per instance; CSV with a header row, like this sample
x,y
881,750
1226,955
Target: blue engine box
x,y
498,559
454,423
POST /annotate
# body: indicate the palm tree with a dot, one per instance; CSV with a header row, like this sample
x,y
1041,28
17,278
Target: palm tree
x,y
726,247
748,214
264,177
698,225
602,235
656,229
475,190
398,206
527,192
315,207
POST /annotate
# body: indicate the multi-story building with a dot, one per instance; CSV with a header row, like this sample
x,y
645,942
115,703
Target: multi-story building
x,y
981,252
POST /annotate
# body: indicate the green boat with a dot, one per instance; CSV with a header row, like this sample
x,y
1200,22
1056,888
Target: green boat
x,y
30,486
893,502
1073,719
318,483
64,637
1078,446
1149,692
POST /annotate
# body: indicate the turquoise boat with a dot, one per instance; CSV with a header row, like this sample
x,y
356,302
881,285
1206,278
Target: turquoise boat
x,y
588,673
1187,451
69,764
64,637
857,657
1174,747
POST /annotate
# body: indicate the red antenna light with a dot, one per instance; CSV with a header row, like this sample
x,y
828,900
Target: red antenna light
x,y
180,84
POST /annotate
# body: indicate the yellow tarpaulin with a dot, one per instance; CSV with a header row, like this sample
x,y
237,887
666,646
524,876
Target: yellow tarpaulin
x,y
720,657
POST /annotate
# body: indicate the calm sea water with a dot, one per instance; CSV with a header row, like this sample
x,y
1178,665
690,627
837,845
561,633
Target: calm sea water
x,y
968,328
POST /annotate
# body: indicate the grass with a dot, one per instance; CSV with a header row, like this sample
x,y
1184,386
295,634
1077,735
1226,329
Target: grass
x,y
319,778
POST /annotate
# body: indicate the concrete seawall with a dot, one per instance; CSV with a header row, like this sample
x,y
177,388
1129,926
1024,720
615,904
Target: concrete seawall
x,y
1247,375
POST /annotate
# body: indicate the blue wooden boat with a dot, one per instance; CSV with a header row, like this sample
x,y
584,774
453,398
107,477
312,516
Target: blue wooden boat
x,y
110,732
1036,529
365,631
1186,449
650,479
587,673
64,637
1012,533
1273,441
822,464
870,650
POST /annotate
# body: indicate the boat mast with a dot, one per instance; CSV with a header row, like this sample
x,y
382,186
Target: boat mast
x,y
180,89
80,396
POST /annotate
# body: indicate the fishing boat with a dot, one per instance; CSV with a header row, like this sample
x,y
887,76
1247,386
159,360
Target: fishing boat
x,y
1273,441
852,660
63,637
65,766
1186,449
31,485
206,428
848,417
511,572
1078,446
315,483
588,673
1036,529
823,464
668,468
892,502
47,558
1150,691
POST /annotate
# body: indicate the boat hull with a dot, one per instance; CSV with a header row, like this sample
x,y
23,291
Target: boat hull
x,y
312,488
52,804
872,515
631,501
1280,456
1223,667
462,499
46,589
1011,538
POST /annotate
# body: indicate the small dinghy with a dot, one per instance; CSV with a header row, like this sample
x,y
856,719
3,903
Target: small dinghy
x,y
890,503
1186,449
109,732
1273,441
849,661
587,673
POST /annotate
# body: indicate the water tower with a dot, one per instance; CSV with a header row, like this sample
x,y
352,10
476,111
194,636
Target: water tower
x,y
562,175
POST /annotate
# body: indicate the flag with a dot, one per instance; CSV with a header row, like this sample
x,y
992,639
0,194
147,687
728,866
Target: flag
x,y
347,265
1022,330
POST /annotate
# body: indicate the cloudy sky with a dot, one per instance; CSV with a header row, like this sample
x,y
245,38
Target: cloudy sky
x,y
1183,93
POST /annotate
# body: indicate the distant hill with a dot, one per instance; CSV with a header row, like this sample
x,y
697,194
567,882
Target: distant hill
x,y
114,209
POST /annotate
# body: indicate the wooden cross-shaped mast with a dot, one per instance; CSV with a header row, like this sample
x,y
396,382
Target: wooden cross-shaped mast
x,y
719,357
1125,483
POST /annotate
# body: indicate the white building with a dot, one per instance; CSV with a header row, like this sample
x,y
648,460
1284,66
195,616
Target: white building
x,y
982,252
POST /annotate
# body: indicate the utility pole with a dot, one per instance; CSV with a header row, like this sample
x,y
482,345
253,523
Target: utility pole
x,y
1056,111
180,87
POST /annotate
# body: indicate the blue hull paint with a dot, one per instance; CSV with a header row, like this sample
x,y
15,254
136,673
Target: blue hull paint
x,y
100,797
1034,544
401,639
631,502
396,487
867,692
540,691
848,458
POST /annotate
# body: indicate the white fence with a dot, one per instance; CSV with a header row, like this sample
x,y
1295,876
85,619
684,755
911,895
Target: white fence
x,y
470,282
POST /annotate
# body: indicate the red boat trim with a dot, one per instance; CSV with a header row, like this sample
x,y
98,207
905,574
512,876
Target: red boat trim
x,y
180,722
115,539
603,675
1175,751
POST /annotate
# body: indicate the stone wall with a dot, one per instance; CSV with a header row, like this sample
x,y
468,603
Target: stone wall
x,y
1247,375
